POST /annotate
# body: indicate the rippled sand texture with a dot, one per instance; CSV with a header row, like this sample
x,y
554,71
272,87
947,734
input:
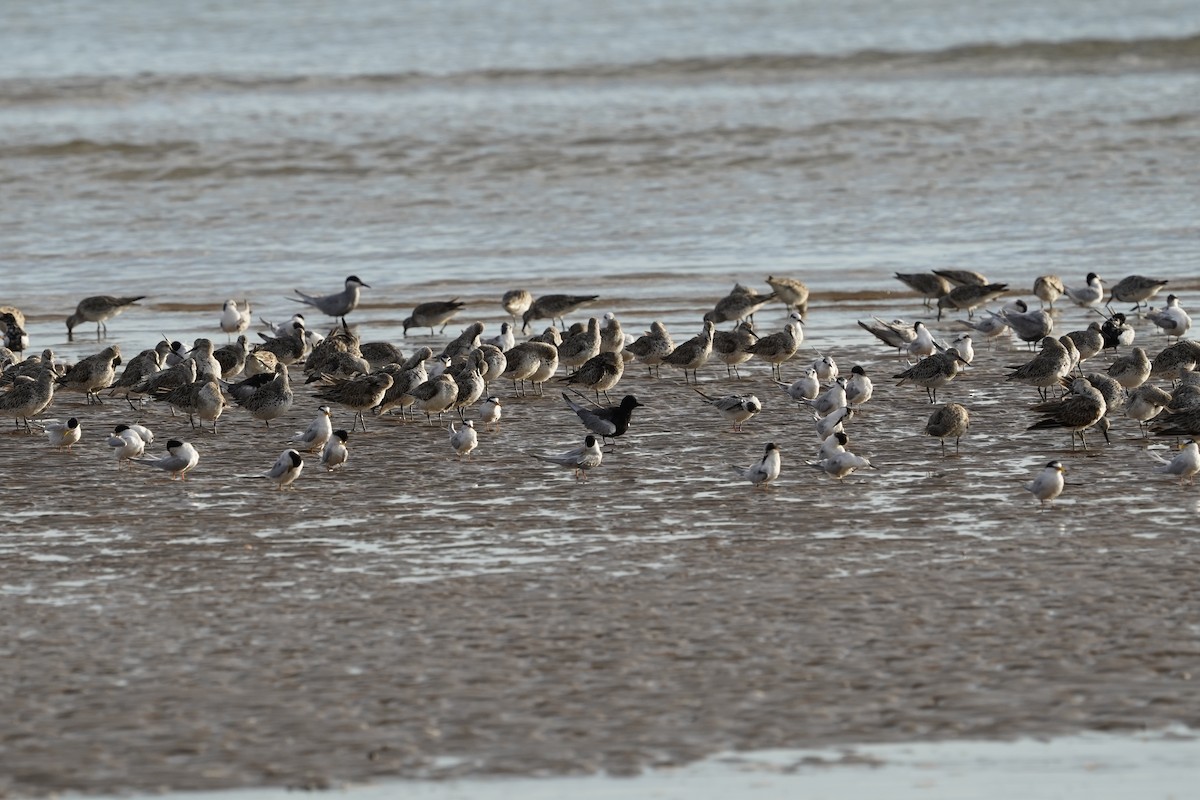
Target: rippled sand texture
x,y
217,633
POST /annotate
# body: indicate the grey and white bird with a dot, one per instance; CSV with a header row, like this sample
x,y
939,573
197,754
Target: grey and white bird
x,y
929,286
286,469
806,387
516,302
952,419
335,454
338,304
1088,295
896,333
763,471
1135,289
235,318
1030,326
62,434
965,347
434,313
832,423
1171,319
180,459
464,440
490,411
1186,464
859,387
98,309
126,444
580,460
833,445
1048,484
968,298
505,339
317,433
791,292
933,372
1048,288
554,307
826,368
737,408
652,347
921,345
90,375
842,464
831,399
778,347
1082,408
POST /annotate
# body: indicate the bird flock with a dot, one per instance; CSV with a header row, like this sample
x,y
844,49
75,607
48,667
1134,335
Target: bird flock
x,y
469,378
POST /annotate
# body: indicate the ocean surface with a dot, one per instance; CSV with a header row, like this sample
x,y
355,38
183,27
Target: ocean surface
x,y
419,617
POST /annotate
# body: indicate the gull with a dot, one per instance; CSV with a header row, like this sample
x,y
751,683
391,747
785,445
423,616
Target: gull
x,y
1089,295
1048,288
234,318
933,372
926,284
338,304
962,277
1078,411
968,298
62,434
781,346
1048,484
737,408
841,464
286,469
464,439
516,302
180,459
317,433
430,315
1172,319
607,422
98,309
126,443
859,387
1185,465
694,353
580,460
806,387
490,411
91,374
949,420
831,399
335,454
1135,289
554,307
652,347
765,470
792,292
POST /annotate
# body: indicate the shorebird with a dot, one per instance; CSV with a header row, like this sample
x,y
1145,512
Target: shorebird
x,y
607,422
126,443
1088,342
859,386
579,347
317,433
841,464
599,373
164,380
460,346
554,307
287,349
806,387
144,364
1088,295
1172,319
763,471
1145,403
1030,326
15,338
270,400
28,397
435,396
580,460
91,374
234,318
338,304
490,411
929,286
949,420
739,304
430,315
1135,289
1176,359
933,372
1116,332
357,394
1078,411
694,353
180,459
970,297
962,277
201,398
1048,484
470,386
98,309
232,357
612,336
1048,288
779,347
921,344
737,408
1046,369
792,292
405,378
652,347
464,439
380,354
516,302
730,347
896,333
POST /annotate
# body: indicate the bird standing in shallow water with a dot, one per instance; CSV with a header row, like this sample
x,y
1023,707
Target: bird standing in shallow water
x,y
765,470
1048,484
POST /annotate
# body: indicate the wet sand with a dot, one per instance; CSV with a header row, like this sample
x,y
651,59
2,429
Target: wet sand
x,y
418,616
